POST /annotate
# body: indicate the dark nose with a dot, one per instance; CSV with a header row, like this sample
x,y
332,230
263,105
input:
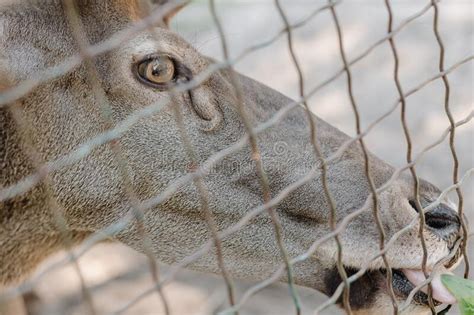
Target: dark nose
x,y
443,221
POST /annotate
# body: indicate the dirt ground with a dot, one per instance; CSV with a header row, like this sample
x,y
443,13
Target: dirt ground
x,y
116,274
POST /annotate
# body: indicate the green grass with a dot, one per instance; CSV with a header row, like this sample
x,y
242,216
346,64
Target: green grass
x,y
463,291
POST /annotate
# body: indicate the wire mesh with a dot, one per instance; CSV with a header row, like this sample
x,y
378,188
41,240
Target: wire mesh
x,y
198,172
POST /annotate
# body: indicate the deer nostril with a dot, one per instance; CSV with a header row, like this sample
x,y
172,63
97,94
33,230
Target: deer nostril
x,y
437,222
443,220
413,205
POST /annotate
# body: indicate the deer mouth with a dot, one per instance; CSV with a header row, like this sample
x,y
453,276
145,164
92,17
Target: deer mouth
x,y
405,280
364,291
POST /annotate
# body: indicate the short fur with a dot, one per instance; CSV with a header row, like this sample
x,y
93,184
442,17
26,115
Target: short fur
x,y
62,114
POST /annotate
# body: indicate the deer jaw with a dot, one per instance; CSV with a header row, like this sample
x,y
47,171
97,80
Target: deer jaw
x,y
63,113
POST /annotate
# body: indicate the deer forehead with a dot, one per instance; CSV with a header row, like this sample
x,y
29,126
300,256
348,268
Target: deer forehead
x,y
103,11
36,37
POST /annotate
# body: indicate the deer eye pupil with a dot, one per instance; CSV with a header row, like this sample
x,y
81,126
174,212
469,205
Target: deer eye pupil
x,y
157,71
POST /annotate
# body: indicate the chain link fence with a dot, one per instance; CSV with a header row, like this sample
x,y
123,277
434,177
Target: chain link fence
x,y
111,137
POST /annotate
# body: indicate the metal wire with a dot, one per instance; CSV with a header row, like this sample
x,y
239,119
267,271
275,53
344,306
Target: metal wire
x,y
53,205
254,212
407,137
112,135
257,158
106,113
113,228
121,127
343,224
451,136
204,200
117,226
317,151
366,167
276,276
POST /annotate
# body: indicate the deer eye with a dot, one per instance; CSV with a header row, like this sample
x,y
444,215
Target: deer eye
x,y
157,71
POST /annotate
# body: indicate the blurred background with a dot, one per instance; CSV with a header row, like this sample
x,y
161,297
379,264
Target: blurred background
x,y
116,274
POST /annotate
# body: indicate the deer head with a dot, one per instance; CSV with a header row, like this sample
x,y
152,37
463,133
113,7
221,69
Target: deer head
x,y
62,113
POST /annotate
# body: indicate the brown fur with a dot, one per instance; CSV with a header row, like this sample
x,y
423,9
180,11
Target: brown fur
x,y
61,114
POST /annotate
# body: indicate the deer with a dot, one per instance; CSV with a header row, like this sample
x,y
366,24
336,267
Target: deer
x,y
61,113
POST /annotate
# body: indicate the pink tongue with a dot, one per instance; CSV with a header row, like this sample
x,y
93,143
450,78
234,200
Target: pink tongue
x,y
440,293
